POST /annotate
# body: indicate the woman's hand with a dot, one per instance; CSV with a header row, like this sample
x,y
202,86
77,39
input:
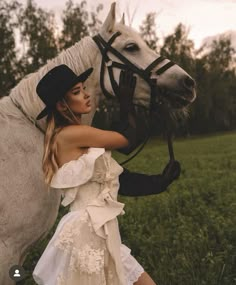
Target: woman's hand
x,y
171,172
135,184
127,84
129,124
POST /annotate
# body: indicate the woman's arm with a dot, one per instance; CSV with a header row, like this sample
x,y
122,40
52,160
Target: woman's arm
x,y
136,184
85,136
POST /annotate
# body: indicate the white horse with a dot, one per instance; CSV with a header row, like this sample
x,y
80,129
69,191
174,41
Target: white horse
x,y
27,210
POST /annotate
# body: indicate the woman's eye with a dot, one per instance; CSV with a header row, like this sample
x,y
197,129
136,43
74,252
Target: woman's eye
x,y
76,92
84,87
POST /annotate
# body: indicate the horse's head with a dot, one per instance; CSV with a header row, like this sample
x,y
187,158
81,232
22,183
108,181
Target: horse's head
x,y
169,83
120,47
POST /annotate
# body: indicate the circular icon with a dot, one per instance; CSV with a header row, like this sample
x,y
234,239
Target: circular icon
x,y
17,273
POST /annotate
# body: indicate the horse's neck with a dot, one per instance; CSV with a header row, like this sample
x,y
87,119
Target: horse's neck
x,y
79,57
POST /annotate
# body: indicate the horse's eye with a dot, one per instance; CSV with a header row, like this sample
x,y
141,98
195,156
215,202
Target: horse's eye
x,y
131,47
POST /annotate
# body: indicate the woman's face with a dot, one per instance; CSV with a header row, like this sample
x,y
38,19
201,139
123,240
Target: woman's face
x,y
78,99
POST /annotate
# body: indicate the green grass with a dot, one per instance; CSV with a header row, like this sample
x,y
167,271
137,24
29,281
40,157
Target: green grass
x,y
186,235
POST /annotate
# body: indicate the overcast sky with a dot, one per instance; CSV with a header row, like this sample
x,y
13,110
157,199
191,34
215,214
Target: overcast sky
x,y
203,17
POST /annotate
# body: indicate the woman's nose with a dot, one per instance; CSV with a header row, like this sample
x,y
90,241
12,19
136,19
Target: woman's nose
x,y
86,95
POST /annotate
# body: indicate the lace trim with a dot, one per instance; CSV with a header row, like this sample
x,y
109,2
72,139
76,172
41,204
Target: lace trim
x,y
132,278
136,273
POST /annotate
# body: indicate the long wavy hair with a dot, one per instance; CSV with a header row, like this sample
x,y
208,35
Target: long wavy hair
x,y
56,120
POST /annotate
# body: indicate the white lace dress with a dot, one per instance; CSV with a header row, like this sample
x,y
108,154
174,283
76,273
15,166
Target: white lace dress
x,y
86,248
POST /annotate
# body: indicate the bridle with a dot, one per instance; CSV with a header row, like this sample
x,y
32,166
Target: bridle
x,y
155,100
145,74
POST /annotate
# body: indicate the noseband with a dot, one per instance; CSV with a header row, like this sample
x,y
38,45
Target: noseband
x,y
155,100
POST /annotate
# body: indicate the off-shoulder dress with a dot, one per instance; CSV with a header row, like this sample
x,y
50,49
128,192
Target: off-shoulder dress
x,y
86,248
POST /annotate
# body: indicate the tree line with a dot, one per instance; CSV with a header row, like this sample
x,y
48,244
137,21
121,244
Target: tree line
x,y
35,31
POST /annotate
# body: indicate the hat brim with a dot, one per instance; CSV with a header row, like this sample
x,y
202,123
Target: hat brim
x,y
81,78
43,113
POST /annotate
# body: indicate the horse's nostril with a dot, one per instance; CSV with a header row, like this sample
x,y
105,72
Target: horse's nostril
x,y
189,82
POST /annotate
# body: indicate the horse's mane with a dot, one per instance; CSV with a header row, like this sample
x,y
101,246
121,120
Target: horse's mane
x,y
78,57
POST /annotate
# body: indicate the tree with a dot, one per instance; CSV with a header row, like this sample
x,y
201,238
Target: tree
x,y
37,32
216,76
8,70
78,23
179,48
148,31
95,24
221,55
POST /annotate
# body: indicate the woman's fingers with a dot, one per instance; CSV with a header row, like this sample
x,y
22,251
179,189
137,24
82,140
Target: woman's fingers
x,y
127,79
134,80
121,76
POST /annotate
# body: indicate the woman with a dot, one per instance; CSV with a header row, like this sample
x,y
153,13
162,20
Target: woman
x,y
86,247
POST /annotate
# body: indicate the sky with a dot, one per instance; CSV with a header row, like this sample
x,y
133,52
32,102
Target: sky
x,y
204,18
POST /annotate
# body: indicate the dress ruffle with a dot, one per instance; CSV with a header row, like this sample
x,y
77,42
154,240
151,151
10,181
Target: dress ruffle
x,y
68,176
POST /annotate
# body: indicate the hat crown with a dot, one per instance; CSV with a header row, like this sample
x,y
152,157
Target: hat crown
x,y
56,83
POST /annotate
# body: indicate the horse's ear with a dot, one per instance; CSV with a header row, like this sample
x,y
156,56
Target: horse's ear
x,y
110,20
122,21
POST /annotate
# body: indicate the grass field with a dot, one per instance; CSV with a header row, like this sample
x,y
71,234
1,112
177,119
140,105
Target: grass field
x,y
186,235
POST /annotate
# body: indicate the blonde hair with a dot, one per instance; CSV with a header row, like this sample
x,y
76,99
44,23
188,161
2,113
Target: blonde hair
x,y
56,120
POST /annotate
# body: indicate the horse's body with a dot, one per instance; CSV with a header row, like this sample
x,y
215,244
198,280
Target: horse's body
x,y
27,210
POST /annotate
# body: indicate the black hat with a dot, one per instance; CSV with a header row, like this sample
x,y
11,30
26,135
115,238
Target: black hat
x,y
54,85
